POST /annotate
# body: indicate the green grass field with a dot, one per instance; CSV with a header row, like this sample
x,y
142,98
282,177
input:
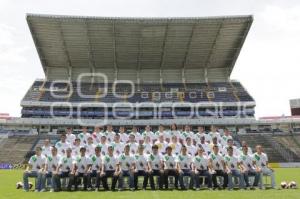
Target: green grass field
x,y
8,181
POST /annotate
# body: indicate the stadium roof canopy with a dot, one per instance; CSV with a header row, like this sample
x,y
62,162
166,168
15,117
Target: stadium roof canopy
x,y
139,49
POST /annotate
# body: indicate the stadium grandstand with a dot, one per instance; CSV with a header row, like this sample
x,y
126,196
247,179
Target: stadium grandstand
x,y
137,72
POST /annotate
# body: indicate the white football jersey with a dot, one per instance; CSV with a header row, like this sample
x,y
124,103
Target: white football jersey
x,y
147,148
52,162
184,161
231,162
133,148
81,163
126,161
66,163
200,162
110,135
191,149
62,147
236,152
118,148
109,162
216,161
96,162
169,161
76,150
70,138
37,162
83,137
197,137
161,146
150,134
90,149
260,160
124,137
246,161
103,147
176,148
141,162
46,150
155,161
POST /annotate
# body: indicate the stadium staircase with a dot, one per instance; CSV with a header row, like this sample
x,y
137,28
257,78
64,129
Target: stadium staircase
x,y
276,150
14,149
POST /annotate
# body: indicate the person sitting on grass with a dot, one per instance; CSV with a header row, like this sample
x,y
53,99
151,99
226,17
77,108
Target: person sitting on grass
x,y
36,164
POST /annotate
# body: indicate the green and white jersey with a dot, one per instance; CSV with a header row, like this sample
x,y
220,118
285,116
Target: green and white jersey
x,y
37,162
198,136
176,148
186,134
206,148
70,138
52,162
184,161
76,150
231,162
141,162
109,162
155,161
246,161
224,139
118,148
110,135
62,147
137,136
174,133
261,160
214,134
216,161
83,137
150,134
200,162
66,163
224,151
46,150
169,161
81,163
126,161
249,151
96,162
161,146
133,148
90,149
191,149
103,147
123,137
147,148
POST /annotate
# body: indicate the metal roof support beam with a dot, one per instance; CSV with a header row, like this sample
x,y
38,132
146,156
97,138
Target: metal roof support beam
x,y
115,49
208,60
164,46
160,76
183,75
188,46
205,75
90,51
69,64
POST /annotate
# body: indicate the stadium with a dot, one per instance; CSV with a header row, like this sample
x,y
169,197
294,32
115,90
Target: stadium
x,y
144,73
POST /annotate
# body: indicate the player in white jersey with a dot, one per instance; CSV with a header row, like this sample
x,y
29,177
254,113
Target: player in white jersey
x,y
109,133
137,136
83,136
248,168
161,131
103,145
201,133
76,147
147,145
46,148
50,167
191,149
227,136
183,162
161,143
35,166
201,167
236,152
204,145
218,167
176,147
97,134
169,166
62,145
80,169
123,135
70,137
261,161
149,133
127,165
244,143
155,167
141,167
174,132
132,143
95,168
214,133
187,133
65,165
110,168
90,146
118,145
233,169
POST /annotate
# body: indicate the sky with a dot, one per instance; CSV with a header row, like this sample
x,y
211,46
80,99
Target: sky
x,y
268,65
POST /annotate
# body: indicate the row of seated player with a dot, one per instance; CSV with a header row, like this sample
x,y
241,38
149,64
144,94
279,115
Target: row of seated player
x,y
170,114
